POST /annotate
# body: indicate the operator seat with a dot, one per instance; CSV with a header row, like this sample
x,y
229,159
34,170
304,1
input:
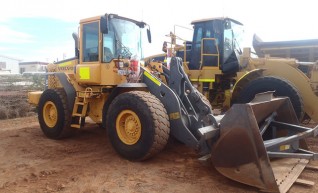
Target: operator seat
x,y
108,55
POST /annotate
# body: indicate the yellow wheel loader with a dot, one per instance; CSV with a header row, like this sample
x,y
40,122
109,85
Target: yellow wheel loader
x,y
142,106
226,73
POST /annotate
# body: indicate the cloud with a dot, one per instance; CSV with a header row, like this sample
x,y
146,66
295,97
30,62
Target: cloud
x,y
271,19
59,9
2,49
8,35
50,53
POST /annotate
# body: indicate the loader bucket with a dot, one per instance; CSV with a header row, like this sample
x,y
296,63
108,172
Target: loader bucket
x,y
240,153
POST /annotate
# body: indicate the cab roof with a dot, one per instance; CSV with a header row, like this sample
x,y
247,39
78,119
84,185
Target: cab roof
x,y
215,18
96,18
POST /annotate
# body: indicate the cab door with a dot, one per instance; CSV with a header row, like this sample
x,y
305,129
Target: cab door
x,y
88,71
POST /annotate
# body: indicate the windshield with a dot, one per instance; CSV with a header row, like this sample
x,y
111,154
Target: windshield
x,y
233,38
123,40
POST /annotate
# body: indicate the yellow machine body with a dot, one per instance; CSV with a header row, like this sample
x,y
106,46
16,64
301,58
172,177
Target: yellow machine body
x,y
91,75
204,65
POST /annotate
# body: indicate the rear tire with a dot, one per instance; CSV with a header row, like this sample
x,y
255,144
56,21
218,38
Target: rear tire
x,y
53,114
137,125
281,87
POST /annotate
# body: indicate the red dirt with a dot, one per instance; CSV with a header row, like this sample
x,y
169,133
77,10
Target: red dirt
x,y
86,162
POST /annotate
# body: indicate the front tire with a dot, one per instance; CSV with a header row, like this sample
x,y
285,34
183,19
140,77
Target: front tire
x,y
137,125
53,114
281,87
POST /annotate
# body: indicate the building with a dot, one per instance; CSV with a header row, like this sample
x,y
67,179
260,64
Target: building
x,y
9,65
32,67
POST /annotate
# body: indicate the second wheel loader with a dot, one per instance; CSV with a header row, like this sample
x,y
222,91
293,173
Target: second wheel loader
x,y
141,107
226,73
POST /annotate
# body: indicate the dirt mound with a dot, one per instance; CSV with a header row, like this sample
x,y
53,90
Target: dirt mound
x,y
13,95
14,104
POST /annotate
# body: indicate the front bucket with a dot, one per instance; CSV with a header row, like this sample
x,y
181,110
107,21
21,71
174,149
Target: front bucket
x,y
240,153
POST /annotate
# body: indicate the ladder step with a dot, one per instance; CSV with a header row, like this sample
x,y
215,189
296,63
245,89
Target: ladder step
x,y
76,126
80,103
78,115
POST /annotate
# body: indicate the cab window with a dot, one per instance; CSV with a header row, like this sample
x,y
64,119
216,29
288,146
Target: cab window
x,y
109,46
90,42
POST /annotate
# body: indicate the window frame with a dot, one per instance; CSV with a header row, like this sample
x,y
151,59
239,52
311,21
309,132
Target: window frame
x,y
82,56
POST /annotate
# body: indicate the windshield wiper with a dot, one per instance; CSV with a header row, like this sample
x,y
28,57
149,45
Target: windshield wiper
x,y
236,45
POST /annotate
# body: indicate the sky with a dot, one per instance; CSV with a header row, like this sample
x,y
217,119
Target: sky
x,y
41,30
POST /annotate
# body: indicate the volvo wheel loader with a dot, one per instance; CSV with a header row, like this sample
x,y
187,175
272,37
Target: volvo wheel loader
x,y
142,106
226,73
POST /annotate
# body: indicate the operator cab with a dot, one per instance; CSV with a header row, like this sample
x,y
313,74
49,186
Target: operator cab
x,y
112,45
121,38
216,44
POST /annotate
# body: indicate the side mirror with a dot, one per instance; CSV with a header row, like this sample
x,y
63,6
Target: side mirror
x,y
149,35
104,24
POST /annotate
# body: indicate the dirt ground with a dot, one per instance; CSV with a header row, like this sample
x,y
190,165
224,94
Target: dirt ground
x,y
86,162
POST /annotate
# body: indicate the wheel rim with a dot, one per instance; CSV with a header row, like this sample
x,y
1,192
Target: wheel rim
x,y
128,127
50,114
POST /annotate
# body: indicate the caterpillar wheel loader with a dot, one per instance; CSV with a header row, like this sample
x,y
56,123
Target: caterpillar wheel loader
x,y
141,107
226,73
